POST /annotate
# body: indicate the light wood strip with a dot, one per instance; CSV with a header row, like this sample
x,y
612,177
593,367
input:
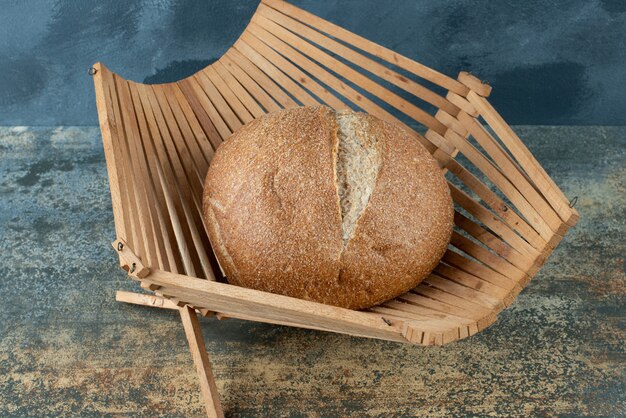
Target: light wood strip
x,y
117,147
145,193
108,128
336,84
275,74
544,223
504,250
444,296
167,171
488,258
257,40
368,46
451,123
138,232
550,191
191,180
440,306
239,90
256,74
474,268
514,175
218,101
164,240
191,133
229,96
462,291
200,102
144,300
251,86
220,297
362,61
350,74
210,131
462,103
487,218
535,242
446,320
475,84
190,184
469,280
198,142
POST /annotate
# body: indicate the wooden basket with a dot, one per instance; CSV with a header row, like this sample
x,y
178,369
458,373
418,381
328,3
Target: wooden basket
x,y
159,140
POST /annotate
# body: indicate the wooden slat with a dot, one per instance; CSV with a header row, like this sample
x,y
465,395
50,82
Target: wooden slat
x,y
108,128
251,86
361,60
543,219
462,291
350,74
487,218
442,319
462,103
197,140
482,271
256,74
167,172
405,311
368,46
551,192
513,174
488,258
148,217
170,255
256,40
210,130
494,243
229,96
222,107
144,300
246,98
275,74
190,184
536,243
200,102
327,78
444,296
475,84
439,306
499,289
220,297
189,133
138,236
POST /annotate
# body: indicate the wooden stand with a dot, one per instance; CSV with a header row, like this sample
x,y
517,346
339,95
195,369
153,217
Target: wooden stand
x,y
159,141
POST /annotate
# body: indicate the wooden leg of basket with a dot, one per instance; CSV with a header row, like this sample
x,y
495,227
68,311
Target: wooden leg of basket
x,y
210,397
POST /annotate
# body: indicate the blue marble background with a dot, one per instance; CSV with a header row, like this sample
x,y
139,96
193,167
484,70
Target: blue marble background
x,y
550,62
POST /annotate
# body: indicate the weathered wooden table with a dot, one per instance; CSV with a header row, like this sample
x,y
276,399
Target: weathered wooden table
x,y
66,347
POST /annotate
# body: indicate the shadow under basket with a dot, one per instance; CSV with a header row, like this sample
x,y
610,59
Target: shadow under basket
x,y
159,141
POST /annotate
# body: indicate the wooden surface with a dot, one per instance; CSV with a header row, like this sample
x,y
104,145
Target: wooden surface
x,y
68,348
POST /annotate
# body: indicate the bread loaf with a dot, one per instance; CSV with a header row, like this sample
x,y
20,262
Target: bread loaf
x,y
338,208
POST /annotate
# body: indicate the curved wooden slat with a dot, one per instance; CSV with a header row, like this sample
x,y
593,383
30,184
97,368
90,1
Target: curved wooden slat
x,y
370,47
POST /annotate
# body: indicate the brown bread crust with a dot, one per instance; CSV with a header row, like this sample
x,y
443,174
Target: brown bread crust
x,y
272,210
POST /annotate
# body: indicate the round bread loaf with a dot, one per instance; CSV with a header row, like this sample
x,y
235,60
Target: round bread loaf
x,y
339,208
